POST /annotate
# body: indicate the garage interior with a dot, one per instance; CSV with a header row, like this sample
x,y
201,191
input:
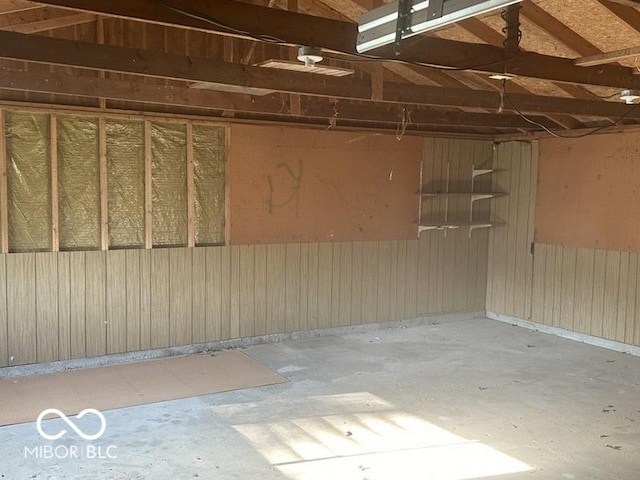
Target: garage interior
x,y
434,242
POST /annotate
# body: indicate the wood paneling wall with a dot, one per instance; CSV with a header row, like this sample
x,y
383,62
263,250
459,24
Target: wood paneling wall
x,y
454,255
68,305
588,291
64,305
579,289
510,269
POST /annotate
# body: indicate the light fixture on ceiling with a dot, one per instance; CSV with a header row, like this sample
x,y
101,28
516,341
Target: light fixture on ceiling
x,y
630,97
405,18
501,76
310,56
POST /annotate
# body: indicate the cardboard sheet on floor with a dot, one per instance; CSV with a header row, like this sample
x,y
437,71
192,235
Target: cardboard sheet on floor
x,y
118,386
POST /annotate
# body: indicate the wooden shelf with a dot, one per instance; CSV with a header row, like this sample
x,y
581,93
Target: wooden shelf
x,y
473,225
474,195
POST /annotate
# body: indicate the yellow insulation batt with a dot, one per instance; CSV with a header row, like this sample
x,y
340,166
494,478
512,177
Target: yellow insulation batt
x,y
169,178
125,174
78,183
209,167
29,182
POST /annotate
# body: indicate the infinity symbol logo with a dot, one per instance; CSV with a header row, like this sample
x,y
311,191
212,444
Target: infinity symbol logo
x,y
81,434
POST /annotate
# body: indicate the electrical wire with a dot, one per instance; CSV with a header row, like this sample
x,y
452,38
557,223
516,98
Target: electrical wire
x,y
214,22
510,25
362,57
368,58
557,135
403,124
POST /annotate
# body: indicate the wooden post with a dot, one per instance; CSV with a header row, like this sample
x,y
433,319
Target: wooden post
x,y
148,185
102,102
55,201
4,198
377,82
295,104
104,198
191,206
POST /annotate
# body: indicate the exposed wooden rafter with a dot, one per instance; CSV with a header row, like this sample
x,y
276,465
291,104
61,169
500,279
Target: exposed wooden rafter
x,y
70,53
419,76
319,108
487,34
14,6
558,30
608,57
629,3
51,23
296,29
630,16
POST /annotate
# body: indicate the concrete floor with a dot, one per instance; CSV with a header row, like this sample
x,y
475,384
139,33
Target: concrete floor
x,y
454,400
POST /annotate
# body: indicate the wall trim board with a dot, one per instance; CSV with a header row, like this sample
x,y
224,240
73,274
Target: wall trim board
x,y
568,334
115,359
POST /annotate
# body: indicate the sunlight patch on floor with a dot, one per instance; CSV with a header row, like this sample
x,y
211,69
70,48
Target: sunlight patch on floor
x,y
373,445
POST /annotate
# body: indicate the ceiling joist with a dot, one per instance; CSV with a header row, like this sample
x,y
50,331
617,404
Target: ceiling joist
x,y
69,53
14,6
269,24
608,57
318,108
51,23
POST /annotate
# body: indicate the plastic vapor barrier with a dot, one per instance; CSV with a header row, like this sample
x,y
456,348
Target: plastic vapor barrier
x,y
29,182
209,179
125,174
78,183
169,177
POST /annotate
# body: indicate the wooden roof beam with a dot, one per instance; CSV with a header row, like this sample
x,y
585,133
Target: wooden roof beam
x,y
629,15
246,20
353,9
85,86
51,23
487,34
608,57
14,6
69,53
558,30
628,3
